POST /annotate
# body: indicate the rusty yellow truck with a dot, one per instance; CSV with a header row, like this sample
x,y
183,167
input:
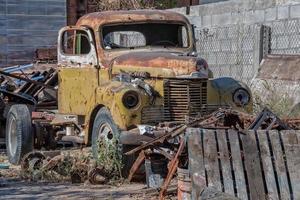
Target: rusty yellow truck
x,y
119,73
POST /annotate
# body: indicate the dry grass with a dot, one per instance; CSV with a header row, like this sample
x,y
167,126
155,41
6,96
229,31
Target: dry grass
x,y
117,4
273,97
68,163
104,5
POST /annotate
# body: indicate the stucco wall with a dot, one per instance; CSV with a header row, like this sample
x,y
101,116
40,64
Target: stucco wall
x,y
26,25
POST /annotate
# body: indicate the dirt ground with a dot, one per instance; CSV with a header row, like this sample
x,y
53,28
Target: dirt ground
x,y
12,187
15,189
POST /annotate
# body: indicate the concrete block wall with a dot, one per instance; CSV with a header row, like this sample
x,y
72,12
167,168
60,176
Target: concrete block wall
x,y
232,13
241,11
226,22
229,51
26,25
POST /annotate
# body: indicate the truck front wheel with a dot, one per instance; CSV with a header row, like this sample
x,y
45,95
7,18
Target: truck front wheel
x,y
19,138
106,148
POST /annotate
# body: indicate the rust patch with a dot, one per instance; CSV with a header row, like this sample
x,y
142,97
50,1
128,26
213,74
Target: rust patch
x,y
99,18
280,67
182,64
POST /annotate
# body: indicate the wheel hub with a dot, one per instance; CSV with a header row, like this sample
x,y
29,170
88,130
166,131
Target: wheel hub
x,y
105,134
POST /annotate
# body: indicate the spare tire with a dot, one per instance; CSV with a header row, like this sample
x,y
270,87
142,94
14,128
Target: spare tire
x,y
19,137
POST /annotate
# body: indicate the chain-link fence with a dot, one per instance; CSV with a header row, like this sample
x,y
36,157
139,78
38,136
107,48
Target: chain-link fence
x,y
229,51
285,37
236,51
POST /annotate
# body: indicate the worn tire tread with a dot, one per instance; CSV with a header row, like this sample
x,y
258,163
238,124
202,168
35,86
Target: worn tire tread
x,y
24,132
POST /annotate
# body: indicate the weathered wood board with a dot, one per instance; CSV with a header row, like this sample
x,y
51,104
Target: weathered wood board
x,y
251,165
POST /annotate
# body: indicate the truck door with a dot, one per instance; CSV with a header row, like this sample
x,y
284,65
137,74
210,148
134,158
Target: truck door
x,y
78,70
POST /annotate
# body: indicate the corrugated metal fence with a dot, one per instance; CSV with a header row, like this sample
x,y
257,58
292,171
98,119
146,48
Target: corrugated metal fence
x,y
26,25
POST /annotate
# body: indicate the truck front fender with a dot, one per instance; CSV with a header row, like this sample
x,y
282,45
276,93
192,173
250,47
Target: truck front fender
x,y
221,92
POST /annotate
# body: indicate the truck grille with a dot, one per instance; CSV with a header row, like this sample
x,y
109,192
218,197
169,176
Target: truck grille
x,y
152,115
184,97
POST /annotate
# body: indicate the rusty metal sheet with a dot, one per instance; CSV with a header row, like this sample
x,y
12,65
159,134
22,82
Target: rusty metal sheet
x,y
100,18
46,54
280,67
182,64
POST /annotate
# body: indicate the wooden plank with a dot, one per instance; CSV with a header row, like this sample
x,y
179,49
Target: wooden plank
x,y
211,160
291,142
252,164
279,165
225,162
196,159
267,165
237,165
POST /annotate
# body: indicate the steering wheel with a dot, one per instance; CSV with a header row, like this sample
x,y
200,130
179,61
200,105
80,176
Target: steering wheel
x,y
164,41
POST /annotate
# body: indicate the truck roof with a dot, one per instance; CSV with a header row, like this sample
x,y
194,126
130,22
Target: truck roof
x,y
96,19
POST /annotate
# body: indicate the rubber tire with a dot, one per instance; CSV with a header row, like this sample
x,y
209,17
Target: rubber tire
x,y
24,142
104,116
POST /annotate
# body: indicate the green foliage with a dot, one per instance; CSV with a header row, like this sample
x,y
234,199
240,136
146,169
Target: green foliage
x,y
110,158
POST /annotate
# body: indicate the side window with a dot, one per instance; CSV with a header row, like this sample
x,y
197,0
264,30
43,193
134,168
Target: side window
x,y
75,42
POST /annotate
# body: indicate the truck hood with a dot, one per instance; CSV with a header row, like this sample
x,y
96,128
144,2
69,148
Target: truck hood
x,y
157,64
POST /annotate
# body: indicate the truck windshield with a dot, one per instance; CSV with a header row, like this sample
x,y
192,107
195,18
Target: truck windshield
x,y
141,35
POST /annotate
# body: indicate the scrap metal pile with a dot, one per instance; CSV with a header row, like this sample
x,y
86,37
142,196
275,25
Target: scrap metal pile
x,y
172,145
164,157
75,165
30,85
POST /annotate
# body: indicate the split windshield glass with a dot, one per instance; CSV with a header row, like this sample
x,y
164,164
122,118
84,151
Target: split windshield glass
x,y
130,36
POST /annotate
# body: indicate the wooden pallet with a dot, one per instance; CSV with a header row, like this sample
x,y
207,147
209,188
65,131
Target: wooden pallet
x,y
251,165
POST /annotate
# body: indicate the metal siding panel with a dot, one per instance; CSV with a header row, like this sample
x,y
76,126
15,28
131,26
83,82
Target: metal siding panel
x,y
37,10
24,27
16,9
56,10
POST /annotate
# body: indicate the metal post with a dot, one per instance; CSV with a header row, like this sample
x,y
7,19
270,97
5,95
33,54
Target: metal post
x,y
262,42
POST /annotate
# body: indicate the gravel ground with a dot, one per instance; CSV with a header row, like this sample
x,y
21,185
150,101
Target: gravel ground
x,y
16,189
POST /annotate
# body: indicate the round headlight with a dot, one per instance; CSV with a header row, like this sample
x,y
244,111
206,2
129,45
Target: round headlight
x,y
202,68
241,97
130,99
